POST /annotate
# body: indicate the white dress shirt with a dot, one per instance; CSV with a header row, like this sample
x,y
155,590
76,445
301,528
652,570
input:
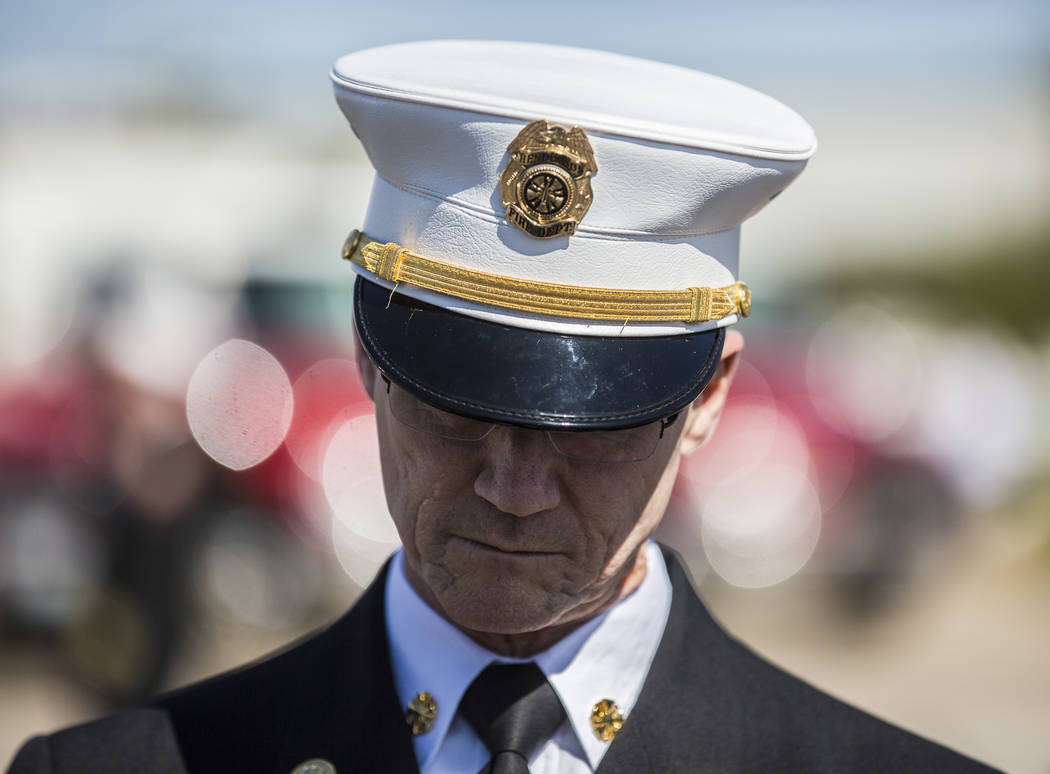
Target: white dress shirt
x,y
606,658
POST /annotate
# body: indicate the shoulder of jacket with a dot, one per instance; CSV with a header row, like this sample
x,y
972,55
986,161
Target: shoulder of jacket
x,y
140,740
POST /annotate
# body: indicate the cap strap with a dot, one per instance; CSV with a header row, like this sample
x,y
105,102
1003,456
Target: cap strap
x,y
394,263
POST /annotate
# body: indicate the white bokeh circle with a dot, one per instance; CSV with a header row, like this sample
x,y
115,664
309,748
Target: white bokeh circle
x,y
760,528
864,372
239,404
363,534
324,400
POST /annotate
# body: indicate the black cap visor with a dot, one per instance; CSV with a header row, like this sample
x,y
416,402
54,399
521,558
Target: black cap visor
x,y
530,378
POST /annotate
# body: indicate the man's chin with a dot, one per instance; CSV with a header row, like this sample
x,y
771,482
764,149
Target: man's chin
x,y
500,608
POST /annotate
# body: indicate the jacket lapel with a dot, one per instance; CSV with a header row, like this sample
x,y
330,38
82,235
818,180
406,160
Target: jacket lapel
x,y
710,704
672,696
345,709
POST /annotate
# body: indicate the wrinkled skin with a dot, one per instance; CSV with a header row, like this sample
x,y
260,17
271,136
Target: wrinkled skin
x,y
515,544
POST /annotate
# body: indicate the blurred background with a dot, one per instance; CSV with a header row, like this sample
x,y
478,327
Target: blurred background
x,y
188,477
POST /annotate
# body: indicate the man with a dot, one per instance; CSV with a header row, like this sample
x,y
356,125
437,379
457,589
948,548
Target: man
x,y
546,277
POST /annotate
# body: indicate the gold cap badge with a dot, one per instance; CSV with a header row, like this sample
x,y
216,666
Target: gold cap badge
x,y
606,720
546,185
421,713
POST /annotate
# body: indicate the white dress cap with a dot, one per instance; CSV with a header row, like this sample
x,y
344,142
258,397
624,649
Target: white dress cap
x,y
679,160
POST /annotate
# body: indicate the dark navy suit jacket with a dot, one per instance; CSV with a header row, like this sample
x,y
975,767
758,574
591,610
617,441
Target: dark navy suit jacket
x,y
709,704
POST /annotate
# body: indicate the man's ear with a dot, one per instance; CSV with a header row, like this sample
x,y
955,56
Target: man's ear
x,y
703,413
365,367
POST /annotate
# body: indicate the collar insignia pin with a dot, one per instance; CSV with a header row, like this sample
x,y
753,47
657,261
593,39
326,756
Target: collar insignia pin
x,y
606,720
546,185
421,713
314,766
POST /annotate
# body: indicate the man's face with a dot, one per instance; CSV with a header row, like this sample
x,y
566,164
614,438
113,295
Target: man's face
x,y
507,536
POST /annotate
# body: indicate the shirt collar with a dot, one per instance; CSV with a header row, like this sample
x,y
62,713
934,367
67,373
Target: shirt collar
x,y
606,658
609,656
427,654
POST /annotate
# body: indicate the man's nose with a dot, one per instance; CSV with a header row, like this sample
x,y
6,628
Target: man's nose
x,y
518,471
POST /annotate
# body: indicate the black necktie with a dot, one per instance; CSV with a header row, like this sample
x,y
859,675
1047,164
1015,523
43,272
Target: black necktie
x,y
514,710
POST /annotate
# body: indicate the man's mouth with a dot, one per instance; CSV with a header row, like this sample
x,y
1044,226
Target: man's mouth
x,y
517,551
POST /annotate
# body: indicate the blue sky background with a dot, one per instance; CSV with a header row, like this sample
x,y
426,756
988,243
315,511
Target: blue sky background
x,y
268,56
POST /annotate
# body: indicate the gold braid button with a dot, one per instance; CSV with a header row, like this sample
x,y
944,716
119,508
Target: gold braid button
x,y
606,720
351,244
743,299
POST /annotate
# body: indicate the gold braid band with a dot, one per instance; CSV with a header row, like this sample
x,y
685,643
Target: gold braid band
x,y
394,263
